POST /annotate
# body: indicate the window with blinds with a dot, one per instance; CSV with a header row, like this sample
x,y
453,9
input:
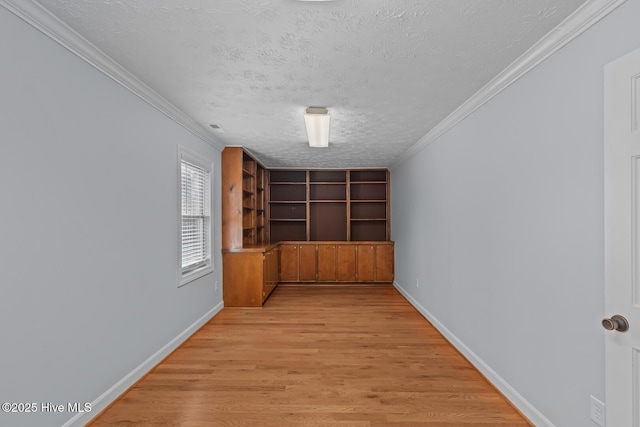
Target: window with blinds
x,y
195,213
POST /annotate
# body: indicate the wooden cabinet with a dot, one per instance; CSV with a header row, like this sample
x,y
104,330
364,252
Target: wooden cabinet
x,y
307,263
249,276
271,268
326,262
364,262
384,263
298,263
289,262
346,263
243,279
249,267
300,226
374,262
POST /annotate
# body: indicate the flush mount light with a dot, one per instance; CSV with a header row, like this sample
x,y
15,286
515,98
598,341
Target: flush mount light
x,y
316,119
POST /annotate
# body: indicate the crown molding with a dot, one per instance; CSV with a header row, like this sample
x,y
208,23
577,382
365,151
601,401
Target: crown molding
x,y
37,16
575,24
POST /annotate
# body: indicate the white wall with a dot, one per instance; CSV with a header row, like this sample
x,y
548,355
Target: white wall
x,y
501,220
88,229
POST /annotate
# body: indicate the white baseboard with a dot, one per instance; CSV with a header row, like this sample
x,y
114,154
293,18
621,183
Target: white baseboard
x,y
121,386
527,409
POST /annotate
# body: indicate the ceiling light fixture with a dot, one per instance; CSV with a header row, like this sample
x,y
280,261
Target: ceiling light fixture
x,y
316,119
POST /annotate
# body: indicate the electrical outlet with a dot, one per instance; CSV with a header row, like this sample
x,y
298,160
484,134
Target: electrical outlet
x,y
216,286
417,284
597,411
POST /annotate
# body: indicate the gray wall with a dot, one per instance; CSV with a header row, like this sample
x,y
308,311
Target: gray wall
x,y
88,230
501,221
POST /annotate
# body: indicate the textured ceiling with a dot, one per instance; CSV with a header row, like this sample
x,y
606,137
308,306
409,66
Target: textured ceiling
x,y
388,70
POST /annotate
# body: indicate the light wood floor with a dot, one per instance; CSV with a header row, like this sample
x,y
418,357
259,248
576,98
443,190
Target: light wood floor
x,y
315,356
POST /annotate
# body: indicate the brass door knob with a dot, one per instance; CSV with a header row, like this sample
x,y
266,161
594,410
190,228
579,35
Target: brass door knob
x,y
616,323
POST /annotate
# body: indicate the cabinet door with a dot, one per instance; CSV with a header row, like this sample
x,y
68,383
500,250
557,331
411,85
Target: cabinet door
x,y
270,272
384,263
275,266
289,263
365,263
346,263
242,279
266,285
327,263
307,263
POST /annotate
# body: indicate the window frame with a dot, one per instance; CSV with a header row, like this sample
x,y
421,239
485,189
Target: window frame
x,y
186,276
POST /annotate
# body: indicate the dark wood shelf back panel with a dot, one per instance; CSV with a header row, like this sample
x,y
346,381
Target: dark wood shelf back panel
x,y
328,176
364,210
286,193
328,192
285,231
327,221
288,211
369,175
288,176
368,230
369,192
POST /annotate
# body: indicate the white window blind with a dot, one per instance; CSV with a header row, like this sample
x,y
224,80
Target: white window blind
x,y
196,217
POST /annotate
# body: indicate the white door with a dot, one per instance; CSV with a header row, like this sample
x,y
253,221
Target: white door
x,y
622,239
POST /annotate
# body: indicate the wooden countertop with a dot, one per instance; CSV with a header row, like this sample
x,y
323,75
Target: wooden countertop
x,y
265,248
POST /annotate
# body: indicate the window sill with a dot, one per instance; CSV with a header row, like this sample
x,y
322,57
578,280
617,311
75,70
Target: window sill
x,y
190,276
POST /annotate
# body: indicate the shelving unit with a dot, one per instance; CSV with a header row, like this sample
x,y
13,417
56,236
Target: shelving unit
x,y
323,205
250,265
245,187
249,168
287,205
369,204
261,205
300,226
327,205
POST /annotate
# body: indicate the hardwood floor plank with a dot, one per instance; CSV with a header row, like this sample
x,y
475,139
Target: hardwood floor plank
x,y
315,356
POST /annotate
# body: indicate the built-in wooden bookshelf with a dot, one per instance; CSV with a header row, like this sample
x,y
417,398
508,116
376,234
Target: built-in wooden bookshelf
x,y
250,266
244,218
287,205
261,204
369,204
267,214
329,205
